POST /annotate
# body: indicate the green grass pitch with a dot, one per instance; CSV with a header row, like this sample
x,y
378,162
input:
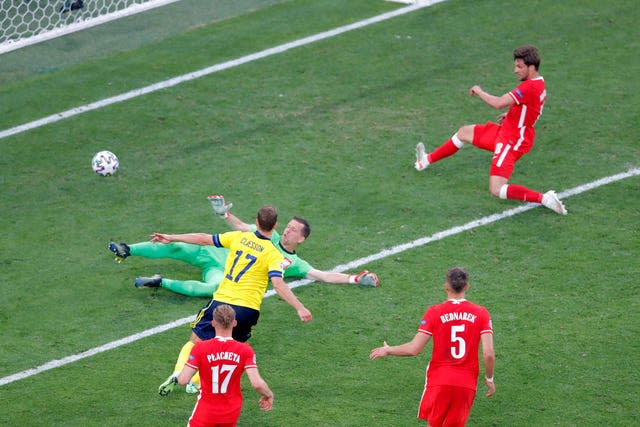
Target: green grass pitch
x,y
325,131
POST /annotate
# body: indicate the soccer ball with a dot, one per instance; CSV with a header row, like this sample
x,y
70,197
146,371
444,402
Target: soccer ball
x,y
105,163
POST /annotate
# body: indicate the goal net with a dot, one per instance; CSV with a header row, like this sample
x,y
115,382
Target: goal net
x,y
25,22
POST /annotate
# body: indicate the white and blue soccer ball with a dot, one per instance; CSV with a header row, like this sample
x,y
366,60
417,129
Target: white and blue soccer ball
x,y
105,163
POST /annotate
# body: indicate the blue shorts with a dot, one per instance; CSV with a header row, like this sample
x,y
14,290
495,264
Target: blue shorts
x,y
246,318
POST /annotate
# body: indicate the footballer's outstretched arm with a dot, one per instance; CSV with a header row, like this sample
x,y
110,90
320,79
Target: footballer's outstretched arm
x,y
222,209
195,238
365,278
236,223
283,290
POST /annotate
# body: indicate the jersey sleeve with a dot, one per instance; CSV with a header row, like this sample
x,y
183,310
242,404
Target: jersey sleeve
x,y
426,324
485,322
250,358
224,240
298,269
276,263
193,360
522,93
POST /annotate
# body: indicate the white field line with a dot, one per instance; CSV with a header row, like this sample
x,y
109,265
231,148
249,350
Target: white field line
x,y
341,268
213,69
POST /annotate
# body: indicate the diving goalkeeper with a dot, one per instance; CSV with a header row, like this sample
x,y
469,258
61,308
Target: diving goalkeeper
x,y
211,260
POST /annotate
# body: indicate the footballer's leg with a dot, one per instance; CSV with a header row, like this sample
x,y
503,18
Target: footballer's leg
x,y
449,148
168,386
120,250
192,288
150,282
422,160
550,200
189,288
170,383
185,252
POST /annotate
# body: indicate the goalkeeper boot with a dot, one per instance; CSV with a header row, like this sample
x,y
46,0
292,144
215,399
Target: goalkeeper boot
x,y
121,250
421,157
150,282
168,386
550,200
192,388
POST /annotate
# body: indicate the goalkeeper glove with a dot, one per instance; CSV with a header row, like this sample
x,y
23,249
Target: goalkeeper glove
x,y
365,278
219,206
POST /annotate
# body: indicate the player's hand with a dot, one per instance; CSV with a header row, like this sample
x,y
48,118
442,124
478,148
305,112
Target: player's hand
x,y
304,314
266,403
379,352
367,278
501,117
491,388
160,238
219,206
475,90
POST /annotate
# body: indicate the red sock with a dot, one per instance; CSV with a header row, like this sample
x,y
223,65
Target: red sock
x,y
518,192
445,150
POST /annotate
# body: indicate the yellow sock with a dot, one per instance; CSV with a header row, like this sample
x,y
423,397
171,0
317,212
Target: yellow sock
x,y
182,357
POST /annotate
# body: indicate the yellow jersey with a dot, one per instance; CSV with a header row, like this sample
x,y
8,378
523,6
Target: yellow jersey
x,y
252,261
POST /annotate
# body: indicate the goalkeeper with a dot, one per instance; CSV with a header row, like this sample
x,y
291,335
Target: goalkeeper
x,y
212,259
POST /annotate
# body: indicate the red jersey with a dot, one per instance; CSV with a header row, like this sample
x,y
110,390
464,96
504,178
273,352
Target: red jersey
x,y
518,125
221,362
456,326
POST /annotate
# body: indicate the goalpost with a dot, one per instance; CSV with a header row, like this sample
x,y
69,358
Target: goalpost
x,y
26,22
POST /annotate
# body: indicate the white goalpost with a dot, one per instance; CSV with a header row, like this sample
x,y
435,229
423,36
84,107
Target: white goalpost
x,y
26,22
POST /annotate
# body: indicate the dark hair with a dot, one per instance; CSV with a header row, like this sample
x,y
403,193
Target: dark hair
x,y
267,217
528,54
457,278
224,315
306,228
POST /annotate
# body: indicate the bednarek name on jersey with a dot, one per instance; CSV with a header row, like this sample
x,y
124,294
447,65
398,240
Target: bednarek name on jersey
x,y
447,317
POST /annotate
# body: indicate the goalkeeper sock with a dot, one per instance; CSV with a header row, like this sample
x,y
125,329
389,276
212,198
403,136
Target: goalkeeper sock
x,y
190,288
182,357
518,192
447,149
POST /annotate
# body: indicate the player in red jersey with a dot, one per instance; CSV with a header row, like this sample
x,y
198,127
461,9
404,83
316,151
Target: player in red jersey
x,y
221,362
509,139
457,327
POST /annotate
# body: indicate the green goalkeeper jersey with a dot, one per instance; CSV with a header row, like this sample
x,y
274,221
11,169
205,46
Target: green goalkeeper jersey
x,y
297,268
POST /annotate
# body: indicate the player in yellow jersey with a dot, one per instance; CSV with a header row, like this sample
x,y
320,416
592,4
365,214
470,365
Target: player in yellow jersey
x,y
253,261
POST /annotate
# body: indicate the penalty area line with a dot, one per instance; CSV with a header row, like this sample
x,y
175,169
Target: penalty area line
x,y
341,268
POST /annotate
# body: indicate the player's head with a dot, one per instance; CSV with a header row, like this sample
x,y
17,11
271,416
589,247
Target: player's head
x,y
306,228
267,218
296,232
224,316
528,54
457,279
526,62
